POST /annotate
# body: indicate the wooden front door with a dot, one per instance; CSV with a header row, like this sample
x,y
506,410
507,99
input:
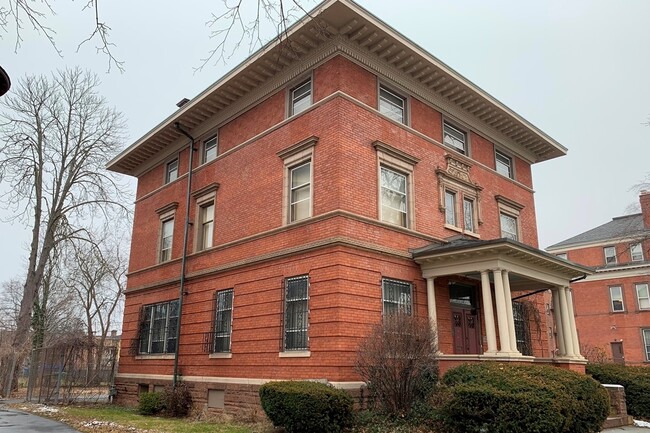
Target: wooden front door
x,y
617,352
465,323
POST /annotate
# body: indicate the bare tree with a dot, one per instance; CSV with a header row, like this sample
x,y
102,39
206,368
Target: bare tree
x,y
56,136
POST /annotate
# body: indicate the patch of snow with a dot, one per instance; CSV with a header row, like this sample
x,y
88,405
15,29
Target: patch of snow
x,y
47,409
639,423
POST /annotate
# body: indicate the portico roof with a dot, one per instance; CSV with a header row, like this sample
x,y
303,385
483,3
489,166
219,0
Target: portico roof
x,y
528,266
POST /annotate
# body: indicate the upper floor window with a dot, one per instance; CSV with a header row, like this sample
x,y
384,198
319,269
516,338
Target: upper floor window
x,y
392,105
171,170
509,226
616,296
450,208
509,211
300,97
468,215
300,192
210,149
503,164
158,327
206,225
166,239
610,255
397,297
394,197
296,313
646,343
643,296
562,256
222,321
454,138
636,252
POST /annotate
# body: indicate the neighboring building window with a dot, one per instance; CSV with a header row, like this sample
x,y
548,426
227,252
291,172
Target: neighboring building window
x,y
509,227
450,208
166,239
158,327
171,171
454,138
397,297
468,215
636,252
616,295
222,321
643,296
610,255
296,313
210,149
562,256
392,105
301,97
504,164
646,343
206,225
394,198
300,192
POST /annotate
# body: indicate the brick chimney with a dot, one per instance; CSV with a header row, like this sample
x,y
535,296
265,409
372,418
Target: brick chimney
x,y
644,199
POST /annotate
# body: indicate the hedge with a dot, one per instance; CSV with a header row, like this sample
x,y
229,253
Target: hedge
x,y
303,406
636,381
150,403
500,398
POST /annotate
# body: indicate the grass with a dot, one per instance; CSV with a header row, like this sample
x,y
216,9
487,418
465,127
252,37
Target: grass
x,y
127,419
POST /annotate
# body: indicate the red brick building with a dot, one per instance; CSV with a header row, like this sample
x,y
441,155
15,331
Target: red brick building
x,y
337,176
612,306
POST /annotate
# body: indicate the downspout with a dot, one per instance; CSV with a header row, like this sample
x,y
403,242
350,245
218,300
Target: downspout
x,y
181,289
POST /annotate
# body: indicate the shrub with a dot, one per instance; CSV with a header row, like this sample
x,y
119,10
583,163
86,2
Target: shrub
x,y
150,403
177,401
397,361
503,398
636,381
301,406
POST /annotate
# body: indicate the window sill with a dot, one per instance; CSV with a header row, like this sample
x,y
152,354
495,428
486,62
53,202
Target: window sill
x,y
155,356
454,228
295,354
220,355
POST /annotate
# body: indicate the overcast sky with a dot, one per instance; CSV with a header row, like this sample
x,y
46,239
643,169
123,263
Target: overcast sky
x,y
576,69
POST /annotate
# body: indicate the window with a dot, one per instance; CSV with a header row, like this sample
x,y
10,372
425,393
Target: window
x,y
616,296
392,105
393,197
521,317
300,97
610,255
166,239
296,313
158,327
206,225
646,343
222,321
210,149
454,138
562,256
503,164
300,192
396,297
643,296
171,171
636,252
450,208
468,214
509,227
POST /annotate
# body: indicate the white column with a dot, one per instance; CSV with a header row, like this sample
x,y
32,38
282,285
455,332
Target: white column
x,y
490,331
431,307
572,320
502,313
566,323
557,317
511,317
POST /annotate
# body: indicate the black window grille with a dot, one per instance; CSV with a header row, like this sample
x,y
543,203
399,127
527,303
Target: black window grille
x,y
296,313
521,317
397,297
158,328
222,321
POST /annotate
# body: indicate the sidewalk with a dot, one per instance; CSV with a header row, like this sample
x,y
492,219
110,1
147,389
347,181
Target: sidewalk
x,y
14,421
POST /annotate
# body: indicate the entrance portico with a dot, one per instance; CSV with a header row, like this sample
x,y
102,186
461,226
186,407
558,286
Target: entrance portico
x,y
500,268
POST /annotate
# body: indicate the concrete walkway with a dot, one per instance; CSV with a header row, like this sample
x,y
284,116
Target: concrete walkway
x,y
627,429
15,421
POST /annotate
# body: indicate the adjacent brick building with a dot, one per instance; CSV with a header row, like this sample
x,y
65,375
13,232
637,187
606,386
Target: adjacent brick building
x,y
337,176
612,306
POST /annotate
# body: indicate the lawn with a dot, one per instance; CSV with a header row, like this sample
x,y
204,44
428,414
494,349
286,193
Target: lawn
x,y
117,419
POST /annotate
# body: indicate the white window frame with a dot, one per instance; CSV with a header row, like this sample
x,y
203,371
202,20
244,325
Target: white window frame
x,y
387,90
163,256
293,157
218,312
612,255
209,144
506,234
402,307
293,99
168,172
292,189
404,193
639,253
472,215
563,256
640,298
614,297
509,166
205,222
454,128
645,338
509,209
451,215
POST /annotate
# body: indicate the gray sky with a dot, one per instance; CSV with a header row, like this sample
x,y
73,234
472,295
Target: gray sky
x,y
578,70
